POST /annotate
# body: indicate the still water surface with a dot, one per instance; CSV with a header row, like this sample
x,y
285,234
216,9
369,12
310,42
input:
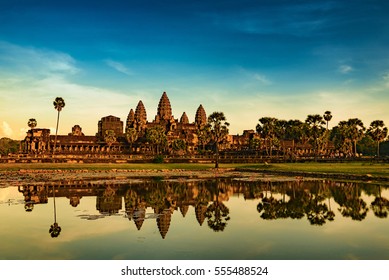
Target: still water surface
x,y
195,219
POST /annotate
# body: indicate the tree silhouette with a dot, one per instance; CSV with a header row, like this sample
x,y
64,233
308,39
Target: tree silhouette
x,y
55,229
378,132
217,213
218,128
59,104
380,206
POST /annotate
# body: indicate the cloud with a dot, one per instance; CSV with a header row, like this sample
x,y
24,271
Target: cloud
x,y
261,78
6,129
254,76
119,67
35,61
345,69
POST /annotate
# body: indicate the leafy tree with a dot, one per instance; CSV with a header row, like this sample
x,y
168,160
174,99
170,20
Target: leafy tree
x,y
59,104
178,145
267,128
203,135
157,138
131,136
218,128
294,131
8,146
378,132
109,137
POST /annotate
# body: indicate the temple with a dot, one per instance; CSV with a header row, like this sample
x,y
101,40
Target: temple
x,y
126,137
165,135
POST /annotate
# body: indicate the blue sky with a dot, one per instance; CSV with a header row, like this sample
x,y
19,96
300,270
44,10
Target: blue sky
x,y
249,59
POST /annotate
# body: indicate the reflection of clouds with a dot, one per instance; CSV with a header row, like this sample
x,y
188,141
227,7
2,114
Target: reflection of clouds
x,y
92,217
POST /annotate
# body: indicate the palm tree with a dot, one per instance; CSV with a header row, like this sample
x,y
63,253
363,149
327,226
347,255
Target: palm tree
x,y
356,129
267,128
32,123
218,129
327,117
378,132
58,103
315,123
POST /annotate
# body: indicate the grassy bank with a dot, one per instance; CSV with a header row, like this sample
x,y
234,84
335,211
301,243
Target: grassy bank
x,y
357,168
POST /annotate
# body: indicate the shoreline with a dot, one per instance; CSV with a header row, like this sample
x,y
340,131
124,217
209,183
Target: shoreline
x,y
45,175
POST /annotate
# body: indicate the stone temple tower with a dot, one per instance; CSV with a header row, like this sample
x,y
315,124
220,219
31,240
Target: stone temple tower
x,y
201,116
140,116
164,112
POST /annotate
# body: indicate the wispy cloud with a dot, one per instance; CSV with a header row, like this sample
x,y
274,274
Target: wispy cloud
x,y
345,69
36,61
261,78
254,76
119,67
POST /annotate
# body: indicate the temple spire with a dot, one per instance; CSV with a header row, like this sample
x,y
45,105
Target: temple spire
x,y
140,113
164,108
201,116
184,119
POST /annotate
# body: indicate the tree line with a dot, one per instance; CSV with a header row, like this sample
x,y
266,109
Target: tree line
x,y
350,137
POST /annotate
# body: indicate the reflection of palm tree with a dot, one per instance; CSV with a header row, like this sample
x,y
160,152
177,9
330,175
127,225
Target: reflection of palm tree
x,y
55,229
217,213
317,212
380,206
351,205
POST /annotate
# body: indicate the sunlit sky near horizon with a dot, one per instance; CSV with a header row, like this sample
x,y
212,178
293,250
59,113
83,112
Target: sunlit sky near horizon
x,y
247,58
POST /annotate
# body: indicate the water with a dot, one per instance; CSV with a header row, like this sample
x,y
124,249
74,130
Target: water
x,y
195,219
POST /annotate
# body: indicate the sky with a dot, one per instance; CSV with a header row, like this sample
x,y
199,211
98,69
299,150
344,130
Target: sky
x,y
248,58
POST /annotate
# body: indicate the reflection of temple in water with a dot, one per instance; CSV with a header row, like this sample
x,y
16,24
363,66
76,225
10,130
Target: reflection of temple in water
x,y
317,200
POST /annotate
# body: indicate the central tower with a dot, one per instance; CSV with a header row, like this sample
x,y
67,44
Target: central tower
x,y
164,112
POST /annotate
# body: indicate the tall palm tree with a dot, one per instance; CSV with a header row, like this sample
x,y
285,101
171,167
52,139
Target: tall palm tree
x,y
267,128
327,117
356,129
58,103
315,123
378,132
218,128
